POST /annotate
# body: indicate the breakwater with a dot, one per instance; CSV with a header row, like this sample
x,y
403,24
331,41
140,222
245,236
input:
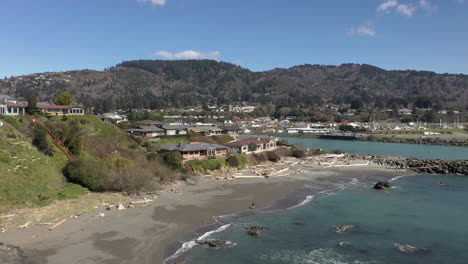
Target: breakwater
x,y
421,141
428,166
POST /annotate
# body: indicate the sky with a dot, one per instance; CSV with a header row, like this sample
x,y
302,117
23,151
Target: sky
x,y
58,35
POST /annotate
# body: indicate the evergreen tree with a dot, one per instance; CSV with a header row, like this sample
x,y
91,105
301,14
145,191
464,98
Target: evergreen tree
x,y
64,99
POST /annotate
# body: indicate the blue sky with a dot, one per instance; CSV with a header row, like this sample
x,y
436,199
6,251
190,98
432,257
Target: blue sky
x,y
54,35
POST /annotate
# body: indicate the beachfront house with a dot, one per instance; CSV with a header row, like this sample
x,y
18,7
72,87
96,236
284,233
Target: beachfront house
x,y
252,145
58,110
196,150
11,107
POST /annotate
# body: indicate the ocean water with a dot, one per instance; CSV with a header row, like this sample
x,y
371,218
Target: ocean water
x,y
383,149
418,212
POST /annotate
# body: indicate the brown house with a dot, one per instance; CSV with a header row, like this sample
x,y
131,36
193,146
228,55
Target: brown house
x,y
197,150
251,145
61,109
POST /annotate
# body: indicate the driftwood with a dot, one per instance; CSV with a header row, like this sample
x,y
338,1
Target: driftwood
x,y
57,224
25,225
140,202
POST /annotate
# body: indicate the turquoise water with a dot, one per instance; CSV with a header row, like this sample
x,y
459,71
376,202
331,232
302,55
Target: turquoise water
x,y
383,149
418,212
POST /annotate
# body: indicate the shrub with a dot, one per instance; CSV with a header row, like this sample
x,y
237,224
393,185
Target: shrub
x,y
298,153
40,140
273,157
233,161
337,151
173,159
207,164
86,173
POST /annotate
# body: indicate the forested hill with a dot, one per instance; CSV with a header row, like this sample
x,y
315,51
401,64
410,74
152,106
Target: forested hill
x,y
155,84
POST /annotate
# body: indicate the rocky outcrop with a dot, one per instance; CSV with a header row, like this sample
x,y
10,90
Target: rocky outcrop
x,y
11,254
382,185
345,228
429,166
213,243
255,231
410,250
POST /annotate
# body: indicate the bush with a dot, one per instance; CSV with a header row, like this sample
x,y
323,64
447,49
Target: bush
x,y
337,151
207,165
272,156
173,159
298,153
40,140
233,161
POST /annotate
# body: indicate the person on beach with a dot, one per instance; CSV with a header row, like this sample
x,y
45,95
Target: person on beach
x,y
252,206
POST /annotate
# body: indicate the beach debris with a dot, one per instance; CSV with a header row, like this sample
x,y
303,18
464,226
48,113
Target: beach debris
x,y
145,201
131,206
213,243
3,229
25,225
57,224
255,231
8,216
382,185
407,249
120,207
101,215
344,228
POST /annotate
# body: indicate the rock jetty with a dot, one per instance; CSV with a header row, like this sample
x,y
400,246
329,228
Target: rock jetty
x,y
429,166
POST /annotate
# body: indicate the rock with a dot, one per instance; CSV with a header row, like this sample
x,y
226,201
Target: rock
x,y
101,215
213,243
382,185
255,231
11,254
120,207
344,228
344,244
131,206
407,249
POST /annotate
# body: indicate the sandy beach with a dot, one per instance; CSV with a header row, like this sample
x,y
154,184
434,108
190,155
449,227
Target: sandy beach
x,y
149,234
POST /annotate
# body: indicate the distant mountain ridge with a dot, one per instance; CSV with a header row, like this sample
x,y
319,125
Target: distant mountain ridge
x,y
155,84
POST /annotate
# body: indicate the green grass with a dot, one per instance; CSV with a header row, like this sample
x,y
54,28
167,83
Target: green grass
x,y
206,165
93,125
16,121
169,140
29,178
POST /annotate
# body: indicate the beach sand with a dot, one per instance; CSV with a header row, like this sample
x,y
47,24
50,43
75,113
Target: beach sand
x,y
149,234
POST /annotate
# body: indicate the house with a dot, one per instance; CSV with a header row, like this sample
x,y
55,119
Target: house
x,y
171,130
405,111
250,145
11,107
206,130
231,130
196,150
113,117
61,109
147,131
151,123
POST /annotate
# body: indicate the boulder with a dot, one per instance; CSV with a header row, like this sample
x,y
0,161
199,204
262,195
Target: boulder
x,y
345,228
254,231
382,185
213,243
407,249
120,207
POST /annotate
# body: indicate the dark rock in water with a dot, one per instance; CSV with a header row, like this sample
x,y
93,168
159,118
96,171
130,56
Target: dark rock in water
x,y
213,243
382,185
299,223
410,250
11,254
344,244
344,228
255,231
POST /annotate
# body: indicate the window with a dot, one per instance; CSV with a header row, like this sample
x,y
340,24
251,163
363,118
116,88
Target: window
x,y
211,152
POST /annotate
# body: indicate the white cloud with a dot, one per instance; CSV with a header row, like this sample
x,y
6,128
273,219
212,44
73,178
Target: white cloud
x,y
386,6
188,55
404,9
363,30
407,10
154,2
427,5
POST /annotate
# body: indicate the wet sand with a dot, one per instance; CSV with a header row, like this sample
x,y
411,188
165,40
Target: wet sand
x,y
149,234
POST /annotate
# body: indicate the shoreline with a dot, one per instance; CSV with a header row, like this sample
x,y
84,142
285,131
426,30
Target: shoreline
x,y
151,233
